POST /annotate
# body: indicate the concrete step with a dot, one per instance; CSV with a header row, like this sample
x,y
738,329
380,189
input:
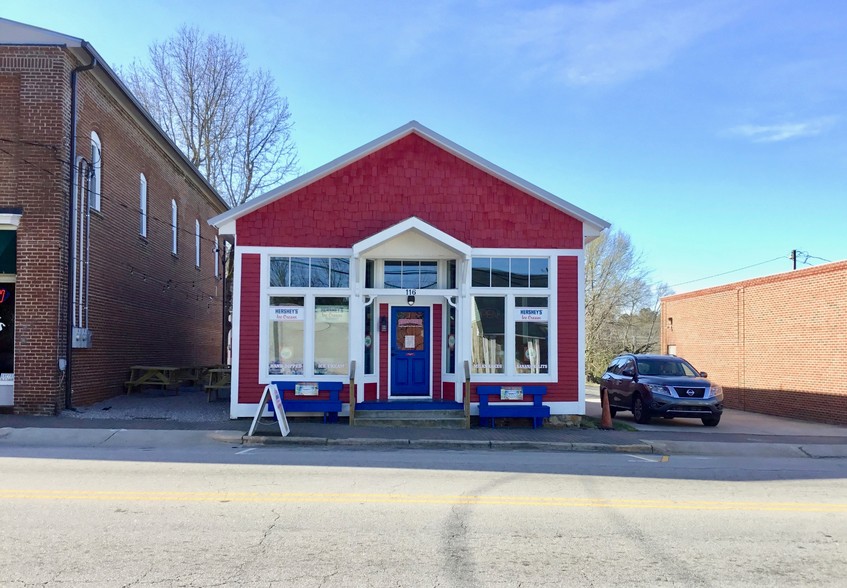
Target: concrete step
x,y
441,419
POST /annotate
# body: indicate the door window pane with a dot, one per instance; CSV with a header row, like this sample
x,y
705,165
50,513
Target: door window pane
x,y
332,320
369,339
285,335
451,340
409,331
531,324
488,334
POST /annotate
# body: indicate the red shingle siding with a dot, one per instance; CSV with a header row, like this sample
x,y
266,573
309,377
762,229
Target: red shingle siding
x,y
249,389
411,177
778,344
569,313
145,305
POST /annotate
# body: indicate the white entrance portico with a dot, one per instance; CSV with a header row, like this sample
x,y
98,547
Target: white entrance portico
x,y
416,274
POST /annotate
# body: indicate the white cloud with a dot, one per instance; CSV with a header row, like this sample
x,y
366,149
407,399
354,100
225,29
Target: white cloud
x,y
607,42
784,131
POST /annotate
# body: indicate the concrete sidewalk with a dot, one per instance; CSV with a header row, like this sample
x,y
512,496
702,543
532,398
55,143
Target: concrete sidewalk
x,y
157,419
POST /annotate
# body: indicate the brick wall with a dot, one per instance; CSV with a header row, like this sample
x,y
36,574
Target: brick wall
x,y
778,345
147,306
34,117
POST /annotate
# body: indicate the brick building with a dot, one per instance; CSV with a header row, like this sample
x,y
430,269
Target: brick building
x,y
410,256
777,345
124,225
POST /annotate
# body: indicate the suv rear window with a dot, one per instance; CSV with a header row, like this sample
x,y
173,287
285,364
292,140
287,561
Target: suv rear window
x,y
666,367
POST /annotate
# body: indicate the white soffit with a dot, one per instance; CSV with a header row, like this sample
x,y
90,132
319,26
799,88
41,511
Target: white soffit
x,y
593,223
413,238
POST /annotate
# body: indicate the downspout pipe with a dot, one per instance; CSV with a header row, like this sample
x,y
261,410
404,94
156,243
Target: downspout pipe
x,y
71,214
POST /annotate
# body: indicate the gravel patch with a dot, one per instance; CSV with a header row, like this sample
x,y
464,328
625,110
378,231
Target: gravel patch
x,y
189,405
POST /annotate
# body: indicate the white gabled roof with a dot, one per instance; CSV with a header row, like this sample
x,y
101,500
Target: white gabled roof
x,y
595,225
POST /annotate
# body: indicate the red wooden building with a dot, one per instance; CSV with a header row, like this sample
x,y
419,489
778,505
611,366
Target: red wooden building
x,y
410,256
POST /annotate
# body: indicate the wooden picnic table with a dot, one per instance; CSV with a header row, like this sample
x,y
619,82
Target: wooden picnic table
x,y
144,376
217,379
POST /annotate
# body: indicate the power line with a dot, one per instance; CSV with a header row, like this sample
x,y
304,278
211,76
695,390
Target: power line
x,y
729,272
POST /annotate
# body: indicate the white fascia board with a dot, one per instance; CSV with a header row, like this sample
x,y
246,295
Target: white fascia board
x,y
414,127
411,224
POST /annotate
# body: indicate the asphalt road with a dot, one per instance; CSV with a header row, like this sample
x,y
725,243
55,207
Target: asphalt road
x,y
210,514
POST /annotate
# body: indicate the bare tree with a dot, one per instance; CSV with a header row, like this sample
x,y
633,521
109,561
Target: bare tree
x,y
620,304
231,122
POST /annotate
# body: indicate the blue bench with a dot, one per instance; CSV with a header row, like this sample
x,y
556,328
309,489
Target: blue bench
x,y
488,411
329,406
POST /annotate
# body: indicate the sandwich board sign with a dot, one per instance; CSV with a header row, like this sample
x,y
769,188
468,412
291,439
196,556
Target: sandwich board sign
x,y
271,392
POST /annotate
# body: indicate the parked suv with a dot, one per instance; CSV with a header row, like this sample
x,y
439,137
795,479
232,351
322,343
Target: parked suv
x,y
661,385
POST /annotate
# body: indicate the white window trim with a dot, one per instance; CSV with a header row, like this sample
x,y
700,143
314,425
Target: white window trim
x,y
174,227
216,256
97,168
197,243
308,295
550,292
142,204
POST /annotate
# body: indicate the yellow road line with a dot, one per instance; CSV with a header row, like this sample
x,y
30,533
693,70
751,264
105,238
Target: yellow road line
x,y
362,498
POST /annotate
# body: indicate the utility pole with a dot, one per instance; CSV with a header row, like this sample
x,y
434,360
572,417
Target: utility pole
x,y
794,257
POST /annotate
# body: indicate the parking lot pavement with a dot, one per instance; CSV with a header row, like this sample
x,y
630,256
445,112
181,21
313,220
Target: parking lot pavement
x,y
735,422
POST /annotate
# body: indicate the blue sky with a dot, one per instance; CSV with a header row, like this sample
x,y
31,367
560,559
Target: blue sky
x,y
713,132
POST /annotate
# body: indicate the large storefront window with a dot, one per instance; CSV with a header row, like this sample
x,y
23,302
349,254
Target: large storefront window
x,y
285,335
488,329
332,320
531,321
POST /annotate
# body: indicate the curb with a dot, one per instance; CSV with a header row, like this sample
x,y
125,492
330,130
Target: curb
x,y
436,444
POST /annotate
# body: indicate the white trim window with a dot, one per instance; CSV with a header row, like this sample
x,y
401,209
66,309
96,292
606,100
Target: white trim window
x,y
513,324
96,171
306,317
142,205
197,243
174,227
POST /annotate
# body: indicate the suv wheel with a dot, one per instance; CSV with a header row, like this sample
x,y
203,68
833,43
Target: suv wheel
x,y
639,411
711,421
613,411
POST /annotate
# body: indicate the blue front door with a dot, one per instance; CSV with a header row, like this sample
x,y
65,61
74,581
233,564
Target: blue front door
x,y
410,351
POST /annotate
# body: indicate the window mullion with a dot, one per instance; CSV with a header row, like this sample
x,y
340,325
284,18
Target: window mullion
x,y
309,336
509,333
